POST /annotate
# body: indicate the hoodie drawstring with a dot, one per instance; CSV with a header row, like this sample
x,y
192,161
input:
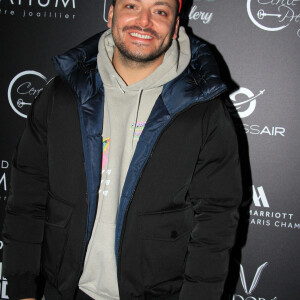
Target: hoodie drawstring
x,y
136,116
118,84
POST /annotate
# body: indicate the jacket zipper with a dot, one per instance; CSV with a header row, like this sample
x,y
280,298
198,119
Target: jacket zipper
x,y
153,148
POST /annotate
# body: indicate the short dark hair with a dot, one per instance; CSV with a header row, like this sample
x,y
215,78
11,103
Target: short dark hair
x,y
177,4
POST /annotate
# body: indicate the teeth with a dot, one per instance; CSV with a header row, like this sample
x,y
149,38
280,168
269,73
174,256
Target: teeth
x,y
141,36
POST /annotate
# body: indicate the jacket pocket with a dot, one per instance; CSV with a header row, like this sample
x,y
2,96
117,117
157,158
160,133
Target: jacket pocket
x,y
58,215
164,240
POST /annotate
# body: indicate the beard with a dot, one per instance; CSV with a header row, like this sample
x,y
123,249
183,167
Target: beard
x,y
138,56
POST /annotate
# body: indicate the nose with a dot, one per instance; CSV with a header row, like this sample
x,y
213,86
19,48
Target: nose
x,y
144,19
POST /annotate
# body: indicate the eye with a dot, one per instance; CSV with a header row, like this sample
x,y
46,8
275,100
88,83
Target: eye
x,y
130,6
161,12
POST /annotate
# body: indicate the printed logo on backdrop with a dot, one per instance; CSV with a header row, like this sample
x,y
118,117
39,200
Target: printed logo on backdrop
x,y
274,15
3,283
39,9
245,103
4,165
23,89
195,13
261,213
250,289
106,5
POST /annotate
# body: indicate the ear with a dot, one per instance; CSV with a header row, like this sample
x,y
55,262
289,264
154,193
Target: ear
x,y
110,16
175,34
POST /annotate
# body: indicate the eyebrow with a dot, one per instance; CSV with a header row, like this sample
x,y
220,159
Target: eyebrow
x,y
163,3
159,3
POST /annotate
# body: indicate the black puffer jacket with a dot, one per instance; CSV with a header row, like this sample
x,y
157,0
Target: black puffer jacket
x,y
178,210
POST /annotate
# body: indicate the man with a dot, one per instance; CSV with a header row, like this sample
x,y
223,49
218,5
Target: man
x,y
126,181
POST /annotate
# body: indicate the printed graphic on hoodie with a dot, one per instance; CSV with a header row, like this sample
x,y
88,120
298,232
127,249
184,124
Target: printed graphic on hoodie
x,y
105,182
105,151
139,127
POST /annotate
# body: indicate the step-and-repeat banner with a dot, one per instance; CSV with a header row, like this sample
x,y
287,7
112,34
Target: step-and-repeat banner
x,y
257,46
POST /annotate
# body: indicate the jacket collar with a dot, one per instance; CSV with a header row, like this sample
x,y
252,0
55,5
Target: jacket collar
x,y
78,67
199,82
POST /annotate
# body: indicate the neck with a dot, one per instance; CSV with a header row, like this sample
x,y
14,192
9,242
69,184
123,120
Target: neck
x,y
133,71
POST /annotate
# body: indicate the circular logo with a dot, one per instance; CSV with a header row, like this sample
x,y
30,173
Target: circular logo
x,y
268,16
23,89
249,102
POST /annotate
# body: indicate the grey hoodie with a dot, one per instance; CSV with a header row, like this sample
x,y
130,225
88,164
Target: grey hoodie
x,y
126,110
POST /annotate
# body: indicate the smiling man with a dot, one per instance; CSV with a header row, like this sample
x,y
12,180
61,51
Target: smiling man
x,y
142,33
126,181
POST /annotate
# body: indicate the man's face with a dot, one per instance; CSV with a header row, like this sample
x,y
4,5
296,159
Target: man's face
x,y
143,29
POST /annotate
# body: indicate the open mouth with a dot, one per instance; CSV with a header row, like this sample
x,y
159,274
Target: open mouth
x,y
141,36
